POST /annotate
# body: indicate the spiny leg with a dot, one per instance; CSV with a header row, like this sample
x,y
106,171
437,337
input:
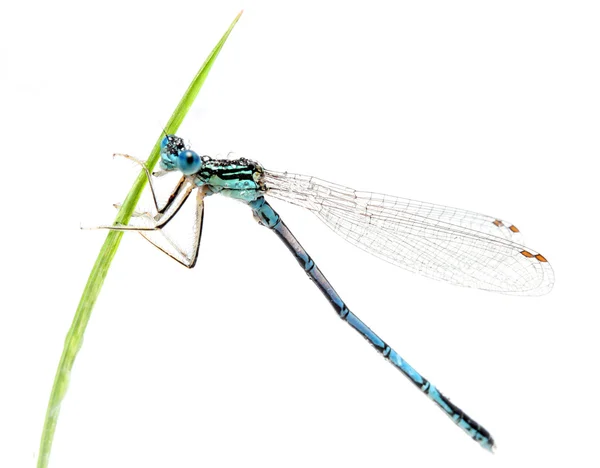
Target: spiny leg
x,y
187,259
182,256
173,193
176,200
145,169
136,214
161,221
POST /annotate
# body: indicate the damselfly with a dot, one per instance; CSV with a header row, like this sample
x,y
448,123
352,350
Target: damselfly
x,y
443,243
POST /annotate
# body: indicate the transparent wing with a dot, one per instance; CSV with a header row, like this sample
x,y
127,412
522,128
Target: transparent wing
x,y
449,244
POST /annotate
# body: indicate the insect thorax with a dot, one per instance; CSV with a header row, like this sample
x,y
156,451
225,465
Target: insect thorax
x,y
236,178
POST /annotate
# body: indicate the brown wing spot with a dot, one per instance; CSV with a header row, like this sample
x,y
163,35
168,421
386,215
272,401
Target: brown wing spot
x,y
526,254
513,228
541,258
498,223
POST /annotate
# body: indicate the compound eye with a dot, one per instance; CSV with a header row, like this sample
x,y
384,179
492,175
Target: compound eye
x,y
165,142
189,162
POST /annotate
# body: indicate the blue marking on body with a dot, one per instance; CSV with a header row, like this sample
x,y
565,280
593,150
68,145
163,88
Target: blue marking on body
x,y
435,395
240,179
359,325
307,261
170,147
405,367
339,304
265,214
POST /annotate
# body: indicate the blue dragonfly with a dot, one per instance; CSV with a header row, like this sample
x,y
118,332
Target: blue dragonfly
x,y
448,244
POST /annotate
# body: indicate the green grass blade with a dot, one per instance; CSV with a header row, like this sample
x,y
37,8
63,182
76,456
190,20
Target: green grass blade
x,y
74,338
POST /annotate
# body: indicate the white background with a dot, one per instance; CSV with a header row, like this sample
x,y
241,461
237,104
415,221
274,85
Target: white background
x,y
488,106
